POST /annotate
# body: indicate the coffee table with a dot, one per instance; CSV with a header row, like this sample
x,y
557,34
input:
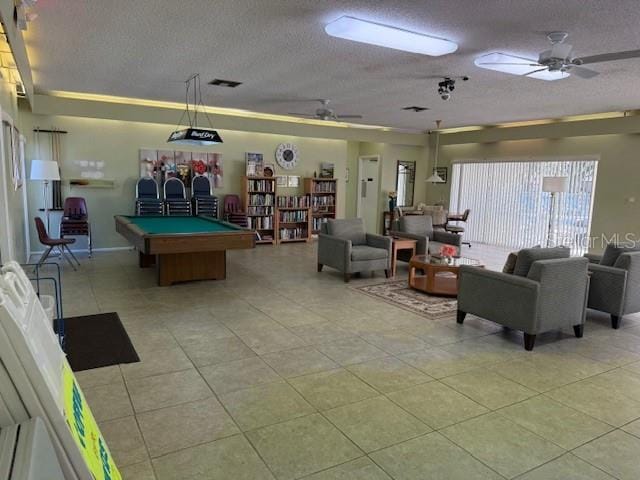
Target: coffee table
x,y
400,243
440,275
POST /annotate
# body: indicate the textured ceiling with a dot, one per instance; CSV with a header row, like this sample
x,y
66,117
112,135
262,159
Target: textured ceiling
x,y
279,50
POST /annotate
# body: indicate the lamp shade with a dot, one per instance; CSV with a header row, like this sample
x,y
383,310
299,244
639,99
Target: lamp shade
x,y
44,170
555,184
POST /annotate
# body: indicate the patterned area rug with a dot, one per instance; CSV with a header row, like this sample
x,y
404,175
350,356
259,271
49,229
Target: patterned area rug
x,y
399,294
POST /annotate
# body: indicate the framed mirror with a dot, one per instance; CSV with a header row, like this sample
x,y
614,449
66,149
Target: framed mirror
x,y
405,181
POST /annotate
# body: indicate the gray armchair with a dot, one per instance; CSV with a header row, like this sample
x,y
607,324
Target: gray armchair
x,y
420,228
550,294
615,282
345,246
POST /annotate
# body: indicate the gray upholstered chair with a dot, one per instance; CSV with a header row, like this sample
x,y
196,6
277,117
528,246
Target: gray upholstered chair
x,y
344,245
547,291
420,228
615,282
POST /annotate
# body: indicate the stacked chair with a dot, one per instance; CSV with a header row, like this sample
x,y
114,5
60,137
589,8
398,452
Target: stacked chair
x,y
148,197
202,201
233,211
175,198
61,244
75,221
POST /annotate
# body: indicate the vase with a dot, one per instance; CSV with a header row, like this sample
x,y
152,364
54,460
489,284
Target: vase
x,y
392,204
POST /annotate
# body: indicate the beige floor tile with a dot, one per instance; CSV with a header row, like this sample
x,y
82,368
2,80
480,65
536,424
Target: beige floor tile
x,y
388,374
139,471
633,367
205,328
156,363
167,390
267,340
396,342
533,376
360,469
573,364
124,441
351,350
621,381
599,402
332,388
376,423
99,376
438,363
555,422
437,405
488,388
203,352
501,444
299,361
437,334
431,456
265,405
567,467
302,446
174,428
228,458
616,453
228,377
633,428
108,402
318,333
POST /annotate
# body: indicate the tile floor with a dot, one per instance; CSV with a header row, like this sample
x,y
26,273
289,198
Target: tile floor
x,y
281,372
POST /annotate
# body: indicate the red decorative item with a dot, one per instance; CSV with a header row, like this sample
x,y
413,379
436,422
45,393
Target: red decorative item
x,y
200,167
448,251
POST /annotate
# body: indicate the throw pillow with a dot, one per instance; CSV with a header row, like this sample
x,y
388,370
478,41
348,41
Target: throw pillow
x,y
510,264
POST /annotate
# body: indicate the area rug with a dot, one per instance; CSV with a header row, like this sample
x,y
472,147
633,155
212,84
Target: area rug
x,y
95,341
399,294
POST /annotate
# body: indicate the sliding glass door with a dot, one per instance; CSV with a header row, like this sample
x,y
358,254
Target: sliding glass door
x,y
510,209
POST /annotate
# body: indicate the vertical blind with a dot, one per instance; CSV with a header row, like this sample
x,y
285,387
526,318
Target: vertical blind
x,y
509,208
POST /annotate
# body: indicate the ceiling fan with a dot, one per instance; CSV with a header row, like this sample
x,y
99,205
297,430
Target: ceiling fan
x,y
325,112
553,64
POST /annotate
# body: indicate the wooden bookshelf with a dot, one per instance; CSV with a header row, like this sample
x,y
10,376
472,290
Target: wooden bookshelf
x,y
259,203
323,193
293,218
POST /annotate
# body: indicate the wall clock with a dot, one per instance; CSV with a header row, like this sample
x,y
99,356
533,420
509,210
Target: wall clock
x,y
287,155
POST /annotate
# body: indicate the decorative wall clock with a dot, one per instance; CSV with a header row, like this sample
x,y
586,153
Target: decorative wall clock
x,y
287,155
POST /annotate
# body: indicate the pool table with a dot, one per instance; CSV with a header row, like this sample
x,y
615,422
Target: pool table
x,y
184,248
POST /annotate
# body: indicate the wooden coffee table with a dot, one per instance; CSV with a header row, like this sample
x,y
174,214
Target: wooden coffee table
x,y
440,276
400,243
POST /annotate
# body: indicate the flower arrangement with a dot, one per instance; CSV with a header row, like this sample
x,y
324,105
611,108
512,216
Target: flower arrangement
x,y
393,196
448,251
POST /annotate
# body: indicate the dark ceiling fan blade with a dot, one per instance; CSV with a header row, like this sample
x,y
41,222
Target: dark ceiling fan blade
x,y
302,114
534,71
582,72
348,116
607,57
503,63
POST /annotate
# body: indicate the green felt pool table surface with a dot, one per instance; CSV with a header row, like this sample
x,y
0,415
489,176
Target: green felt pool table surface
x,y
181,225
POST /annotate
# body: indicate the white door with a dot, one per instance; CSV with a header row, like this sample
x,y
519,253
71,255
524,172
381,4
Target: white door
x,y
369,191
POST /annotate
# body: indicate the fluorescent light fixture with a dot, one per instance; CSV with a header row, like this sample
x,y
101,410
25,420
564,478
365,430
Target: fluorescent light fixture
x,y
357,30
502,62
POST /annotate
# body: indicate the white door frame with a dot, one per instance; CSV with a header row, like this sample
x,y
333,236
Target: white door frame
x,y
6,241
361,160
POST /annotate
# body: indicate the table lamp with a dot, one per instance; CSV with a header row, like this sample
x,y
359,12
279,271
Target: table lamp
x,y
554,185
46,171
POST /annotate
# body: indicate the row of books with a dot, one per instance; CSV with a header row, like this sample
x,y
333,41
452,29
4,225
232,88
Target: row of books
x,y
317,223
324,201
293,201
325,187
260,223
261,199
294,216
260,211
293,233
261,185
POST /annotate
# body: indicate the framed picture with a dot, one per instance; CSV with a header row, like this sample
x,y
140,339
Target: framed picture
x,y
254,164
268,170
443,172
281,180
293,181
216,171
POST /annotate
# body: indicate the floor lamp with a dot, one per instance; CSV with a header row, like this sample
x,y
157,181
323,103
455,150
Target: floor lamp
x,y
554,186
46,171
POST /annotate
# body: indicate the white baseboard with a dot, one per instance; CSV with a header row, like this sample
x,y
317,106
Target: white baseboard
x,y
84,250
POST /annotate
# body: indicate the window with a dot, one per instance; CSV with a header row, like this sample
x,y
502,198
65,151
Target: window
x,y
509,208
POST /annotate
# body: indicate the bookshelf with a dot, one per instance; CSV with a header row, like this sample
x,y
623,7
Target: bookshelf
x,y
323,193
259,198
294,219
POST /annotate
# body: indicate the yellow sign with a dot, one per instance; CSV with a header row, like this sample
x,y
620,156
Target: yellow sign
x,y
85,431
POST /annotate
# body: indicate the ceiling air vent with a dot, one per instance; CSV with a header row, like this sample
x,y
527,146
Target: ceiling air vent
x,y
415,108
218,82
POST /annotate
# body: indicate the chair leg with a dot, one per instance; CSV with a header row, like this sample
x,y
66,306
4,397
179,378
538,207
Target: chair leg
x,y
347,277
89,241
578,330
64,255
615,321
460,315
44,256
71,253
387,273
529,341
320,267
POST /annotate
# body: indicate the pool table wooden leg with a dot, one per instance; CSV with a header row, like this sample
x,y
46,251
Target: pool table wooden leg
x,y
145,260
184,267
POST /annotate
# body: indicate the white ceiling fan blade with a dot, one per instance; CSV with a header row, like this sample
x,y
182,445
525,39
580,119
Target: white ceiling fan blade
x,y
607,57
348,116
509,63
505,63
561,50
535,71
585,73
302,114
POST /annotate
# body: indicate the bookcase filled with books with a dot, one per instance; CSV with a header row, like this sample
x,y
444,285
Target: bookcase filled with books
x,y
294,219
259,200
322,193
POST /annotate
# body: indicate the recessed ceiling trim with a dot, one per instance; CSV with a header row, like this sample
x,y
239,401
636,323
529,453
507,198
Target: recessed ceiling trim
x,y
372,33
